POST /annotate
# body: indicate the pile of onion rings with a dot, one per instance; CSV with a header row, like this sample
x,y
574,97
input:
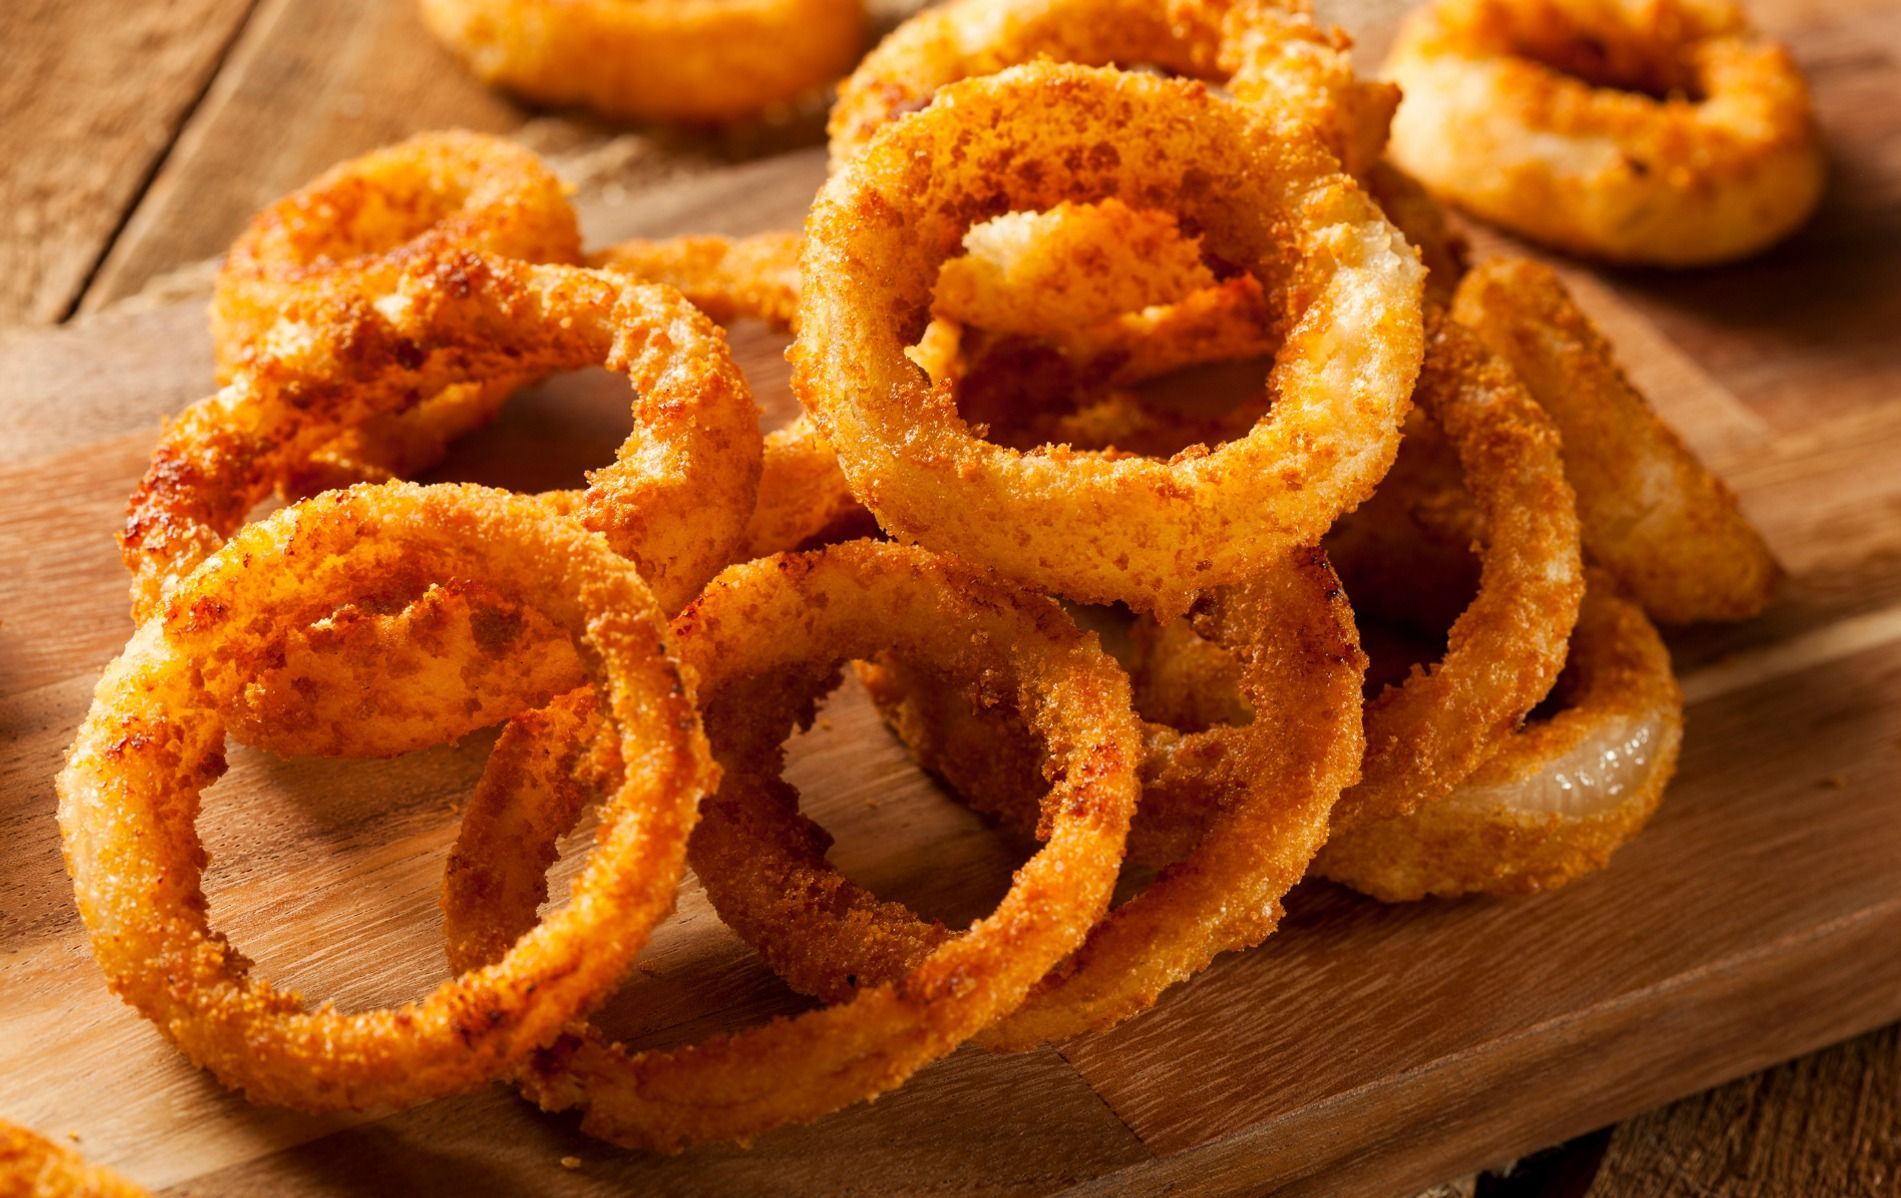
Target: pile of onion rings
x,y
1238,531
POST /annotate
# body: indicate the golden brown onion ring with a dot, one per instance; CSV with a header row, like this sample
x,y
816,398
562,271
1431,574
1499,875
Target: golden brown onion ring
x,y
154,740
1559,797
1171,313
31,1166
675,500
1234,812
674,60
1269,54
1504,651
1097,530
1663,132
1653,515
459,189
798,616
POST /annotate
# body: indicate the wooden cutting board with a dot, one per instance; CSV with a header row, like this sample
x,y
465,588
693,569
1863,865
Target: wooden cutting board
x,y
1362,1049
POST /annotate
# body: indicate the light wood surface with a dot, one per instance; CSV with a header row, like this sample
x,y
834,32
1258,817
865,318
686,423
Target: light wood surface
x,y
1363,1049
93,92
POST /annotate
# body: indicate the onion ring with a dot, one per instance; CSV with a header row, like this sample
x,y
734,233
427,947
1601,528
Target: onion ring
x,y
31,1166
1653,515
153,740
1559,797
1096,530
800,615
1170,313
1662,132
1506,649
1266,54
1236,813
695,63
468,190
444,317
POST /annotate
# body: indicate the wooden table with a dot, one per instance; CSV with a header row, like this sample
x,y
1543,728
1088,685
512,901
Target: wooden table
x,y
138,139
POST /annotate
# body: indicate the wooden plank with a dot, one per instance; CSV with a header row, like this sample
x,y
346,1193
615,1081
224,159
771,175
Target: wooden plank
x,y
90,100
1042,1130
84,366
1827,1124
1483,1108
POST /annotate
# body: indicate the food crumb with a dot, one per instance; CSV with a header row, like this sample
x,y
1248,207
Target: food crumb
x,y
1835,781
570,1162
72,1135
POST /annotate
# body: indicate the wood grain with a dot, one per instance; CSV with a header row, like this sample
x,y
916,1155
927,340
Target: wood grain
x,y
1827,1124
90,99
306,86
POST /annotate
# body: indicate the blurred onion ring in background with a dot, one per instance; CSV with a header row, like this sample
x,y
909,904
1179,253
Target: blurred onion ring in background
x,y
689,61
1641,131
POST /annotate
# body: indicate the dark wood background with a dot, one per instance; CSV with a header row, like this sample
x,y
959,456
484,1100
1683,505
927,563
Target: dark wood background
x,y
139,138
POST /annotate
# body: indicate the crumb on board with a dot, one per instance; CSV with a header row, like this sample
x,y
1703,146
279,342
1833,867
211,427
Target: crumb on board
x,y
1835,781
570,1162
